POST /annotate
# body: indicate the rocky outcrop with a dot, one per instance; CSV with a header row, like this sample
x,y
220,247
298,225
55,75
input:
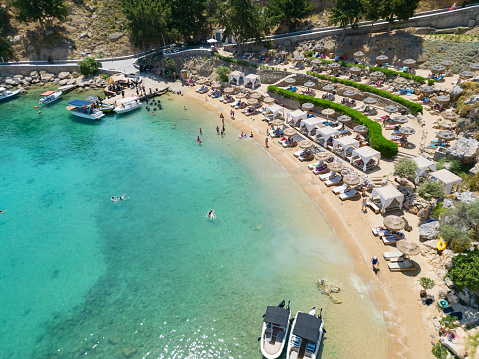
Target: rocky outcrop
x,y
456,92
115,36
472,100
457,346
46,77
464,150
63,75
428,231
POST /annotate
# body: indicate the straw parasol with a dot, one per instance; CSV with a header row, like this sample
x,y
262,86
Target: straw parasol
x,y
309,84
316,61
229,90
299,58
268,100
335,166
447,63
319,47
334,65
466,74
359,54
201,81
382,58
305,144
344,118
438,69
307,106
256,95
361,129
241,95
400,120
322,156
349,93
277,122
282,53
408,131
352,180
409,62
394,223
446,124
391,109
216,85
328,88
355,70
252,101
426,89
400,80
446,135
408,248
328,112
370,100
376,75
290,80
289,131
449,115
474,67
443,99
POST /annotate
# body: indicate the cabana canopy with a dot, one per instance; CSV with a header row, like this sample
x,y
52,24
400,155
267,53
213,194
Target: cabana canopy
x,y
422,165
387,195
253,80
296,115
275,109
448,178
311,124
237,75
366,153
326,132
345,142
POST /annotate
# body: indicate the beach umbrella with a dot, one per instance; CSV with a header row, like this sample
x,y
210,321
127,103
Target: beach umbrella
x,y
344,118
336,166
201,81
316,62
216,85
349,93
409,62
328,112
319,47
359,54
438,69
290,80
229,90
277,122
446,135
256,95
394,223
400,80
361,129
443,99
446,124
400,119
252,101
474,67
289,131
322,156
370,100
408,248
466,74
328,88
351,180
355,70
240,95
381,58
391,109
426,89
305,144
299,58
449,115
307,106
283,53
268,100
376,75
408,131
309,84
447,63
334,65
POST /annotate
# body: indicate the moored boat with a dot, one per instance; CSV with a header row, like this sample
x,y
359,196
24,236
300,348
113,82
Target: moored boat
x,y
306,335
84,109
126,104
275,330
7,94
103,107
49,97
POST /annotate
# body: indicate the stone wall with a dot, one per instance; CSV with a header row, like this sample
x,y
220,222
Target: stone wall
x,y
11,70
272,76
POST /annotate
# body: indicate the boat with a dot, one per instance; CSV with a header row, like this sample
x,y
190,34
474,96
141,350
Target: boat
x,y
7,94
442,244
126,104
49,97
84,109
275,330
103,107
306,335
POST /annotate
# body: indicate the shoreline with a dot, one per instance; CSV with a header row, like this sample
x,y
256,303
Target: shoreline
x,y
390,292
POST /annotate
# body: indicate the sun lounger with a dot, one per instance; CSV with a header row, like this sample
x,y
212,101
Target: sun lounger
x,y
308,157
388,240
378,231
312,166
298,153
326,176
340,189
349,194
401,266
338,179
288,144
389,255
203,90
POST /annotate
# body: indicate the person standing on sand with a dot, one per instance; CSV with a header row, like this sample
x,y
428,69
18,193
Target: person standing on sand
x,y
375,262
266,142
364,204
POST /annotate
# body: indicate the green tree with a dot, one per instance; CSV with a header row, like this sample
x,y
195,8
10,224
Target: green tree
x,y
89,66
169,64
464,272
391,10
346,12
431,189
407,168
449,322
39,10
371,12
460,239
222,73
439,351
288,12
6,50
188,16
466,217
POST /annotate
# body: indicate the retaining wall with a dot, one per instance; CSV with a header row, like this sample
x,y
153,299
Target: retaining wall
x,y
10,70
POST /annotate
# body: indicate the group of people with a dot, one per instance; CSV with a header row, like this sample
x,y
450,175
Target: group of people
x,y
120,198
328,96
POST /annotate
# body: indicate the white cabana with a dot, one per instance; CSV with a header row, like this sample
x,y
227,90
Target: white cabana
x,y
296,116
275,109
326,132
366,153
389,197
346,143
237,75
423,164
448,178
311,124
252,79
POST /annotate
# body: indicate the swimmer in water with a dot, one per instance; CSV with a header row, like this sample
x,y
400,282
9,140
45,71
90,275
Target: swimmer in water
x,y
113,199
211,214
122,198
3,211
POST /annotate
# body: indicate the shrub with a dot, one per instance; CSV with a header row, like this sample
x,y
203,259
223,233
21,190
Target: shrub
x,y
463,272
427,283
448,322
431,189
105,77
439,351
89,66
406,167
455,167
386,147
413,107
235,61
222,73
474,183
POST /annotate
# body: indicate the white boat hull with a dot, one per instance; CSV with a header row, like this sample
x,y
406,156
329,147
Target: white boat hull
x,y
269,351
127,108
96,115
7,95
50,100
300,352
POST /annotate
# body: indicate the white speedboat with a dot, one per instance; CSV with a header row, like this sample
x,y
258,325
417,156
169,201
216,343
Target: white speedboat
x,y
306,335
84,109
275,330
7,94
49,97
126,104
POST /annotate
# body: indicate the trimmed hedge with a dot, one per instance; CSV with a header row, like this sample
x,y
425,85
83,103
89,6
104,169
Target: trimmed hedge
x,y
386,147
413,107
235,61
387,72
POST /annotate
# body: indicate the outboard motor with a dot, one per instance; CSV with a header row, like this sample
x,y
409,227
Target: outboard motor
x,y
282,304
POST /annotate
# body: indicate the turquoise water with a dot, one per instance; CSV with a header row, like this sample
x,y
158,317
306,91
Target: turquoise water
x,y
151,276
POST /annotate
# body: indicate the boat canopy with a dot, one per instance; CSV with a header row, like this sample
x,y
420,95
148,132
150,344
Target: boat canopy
x,y
80,103
2,89
277,315
307,327
48,93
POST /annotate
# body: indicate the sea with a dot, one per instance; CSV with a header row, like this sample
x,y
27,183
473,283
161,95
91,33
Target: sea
x,y
152,276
